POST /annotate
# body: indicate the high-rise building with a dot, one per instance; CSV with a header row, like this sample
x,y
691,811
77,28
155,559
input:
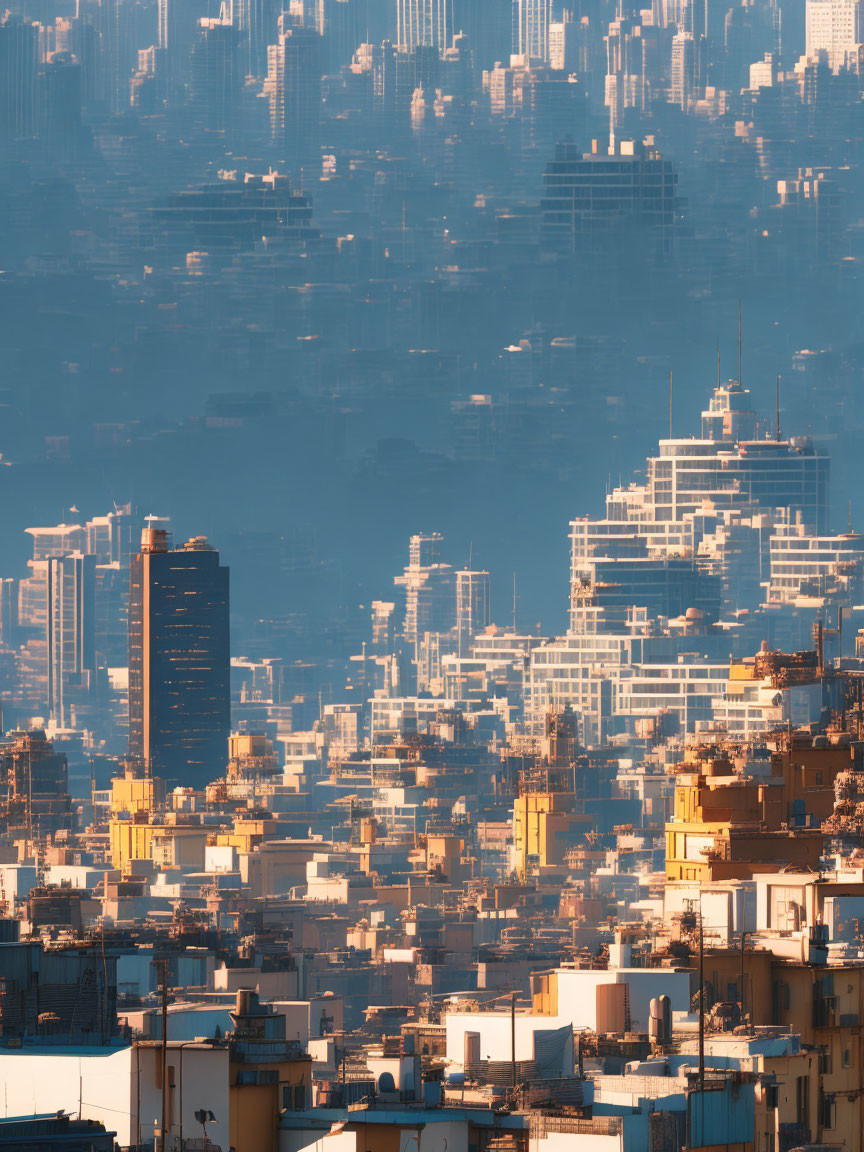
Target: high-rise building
x,y
565,41
34,792
70,639
428,584
626,91
8,612
47,613
214,81
488,24
114,539
424,22
179,693
835,27
632,186
472,607
531,20
19,55
164,12
344,31
80,38
716,516
256,21
294,90
60,88
118,53
683,70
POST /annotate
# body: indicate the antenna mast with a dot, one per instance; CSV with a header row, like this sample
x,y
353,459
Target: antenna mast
x,y
739,343
670,403
778,407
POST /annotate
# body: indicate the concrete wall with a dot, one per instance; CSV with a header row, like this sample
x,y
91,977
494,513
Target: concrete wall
x,y
577,994
338,1142
98,1083
495,1030
565,1142
199,1079
136,973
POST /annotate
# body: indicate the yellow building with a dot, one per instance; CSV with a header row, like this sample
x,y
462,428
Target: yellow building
x,y
250,756
169,841
545,828
246,834
726,826
130,839
134,793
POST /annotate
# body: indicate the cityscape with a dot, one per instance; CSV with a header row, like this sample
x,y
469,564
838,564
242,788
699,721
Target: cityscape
x,y
431,598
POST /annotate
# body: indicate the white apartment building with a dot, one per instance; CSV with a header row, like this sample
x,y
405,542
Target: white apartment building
x,y
717,523
834,27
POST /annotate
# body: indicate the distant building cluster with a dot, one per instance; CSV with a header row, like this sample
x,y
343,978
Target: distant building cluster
x,y
604,886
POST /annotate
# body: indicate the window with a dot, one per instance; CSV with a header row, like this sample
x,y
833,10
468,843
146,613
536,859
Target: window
x,y
828,1111
847,1058
294,1097
802,1099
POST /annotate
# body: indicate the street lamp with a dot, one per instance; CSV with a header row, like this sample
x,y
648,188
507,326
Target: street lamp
x,y
204,1117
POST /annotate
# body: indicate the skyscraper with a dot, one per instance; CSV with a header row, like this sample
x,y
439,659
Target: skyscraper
x,y
57,614
531,19
19,53
70,634
835,27
426,22
683,69
294,90
179,699
565,39
428,584
214,82
472,607
59,92
344,31
34,785
256,21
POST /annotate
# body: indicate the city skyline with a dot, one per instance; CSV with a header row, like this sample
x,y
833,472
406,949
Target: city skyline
x,y
431,576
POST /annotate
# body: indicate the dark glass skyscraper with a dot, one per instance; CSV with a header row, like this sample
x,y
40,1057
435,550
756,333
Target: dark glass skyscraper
x,y
179,702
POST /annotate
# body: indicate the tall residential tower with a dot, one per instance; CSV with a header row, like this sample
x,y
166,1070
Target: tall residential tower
x,y
179,698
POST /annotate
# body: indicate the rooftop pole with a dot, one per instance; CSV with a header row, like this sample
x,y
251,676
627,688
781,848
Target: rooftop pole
x,y
739,343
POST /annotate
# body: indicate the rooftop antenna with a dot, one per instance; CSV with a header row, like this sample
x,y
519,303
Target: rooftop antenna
x,y
739,343
850,517
514,600
778,407
718,363
670,403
